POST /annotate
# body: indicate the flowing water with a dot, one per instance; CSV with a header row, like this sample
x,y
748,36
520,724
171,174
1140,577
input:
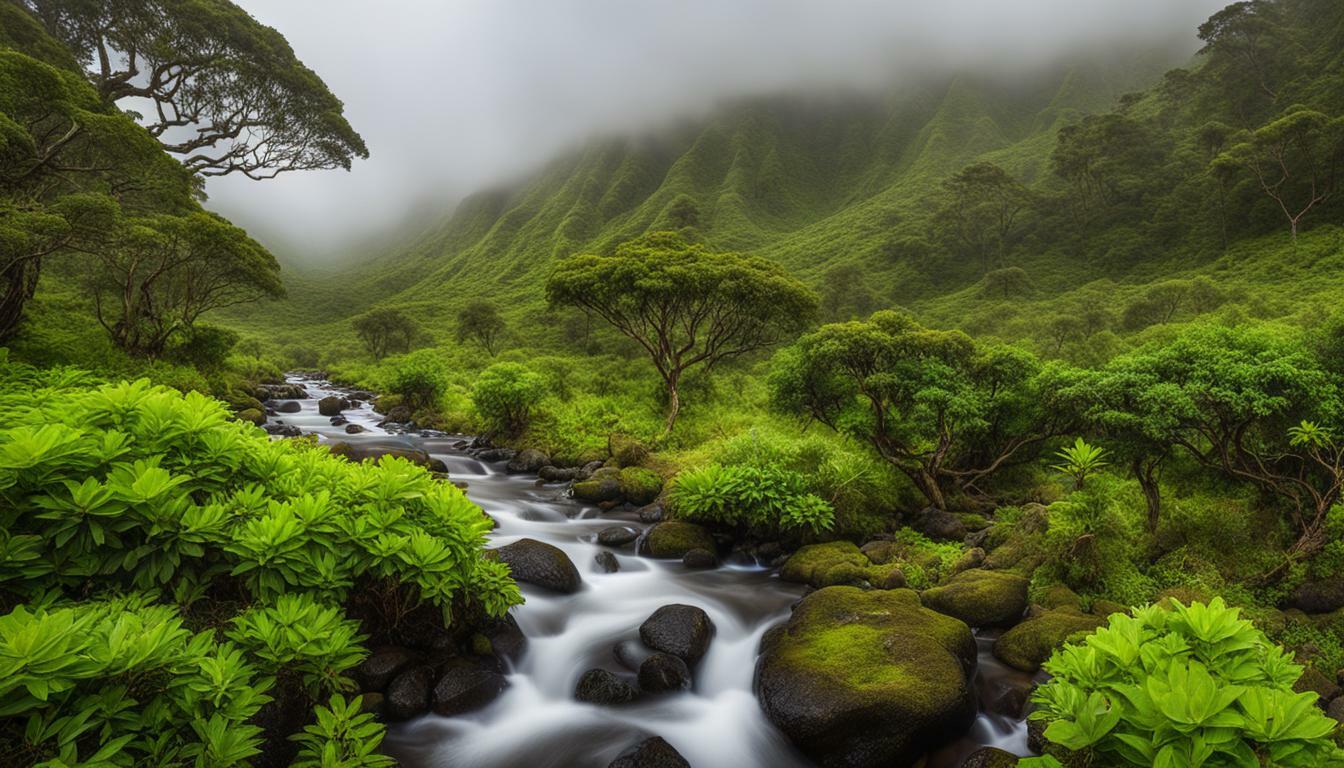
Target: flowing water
x,y
536,723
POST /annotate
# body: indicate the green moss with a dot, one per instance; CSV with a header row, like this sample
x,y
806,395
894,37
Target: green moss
x,y
253,416
628,451
640,486
980,598
1027,645
673,539
809,564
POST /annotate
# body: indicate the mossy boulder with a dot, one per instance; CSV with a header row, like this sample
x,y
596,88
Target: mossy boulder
x,y
981,598
861,678
990,757
1060,596
640,486
627,451
252,416
1027,645
603,485
815,563
673,539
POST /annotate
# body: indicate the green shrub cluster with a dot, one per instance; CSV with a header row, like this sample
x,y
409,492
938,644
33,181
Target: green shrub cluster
x,y
505,396
1192,685
762,501
171,570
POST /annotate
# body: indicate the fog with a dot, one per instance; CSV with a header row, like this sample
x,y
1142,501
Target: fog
x,y
454,96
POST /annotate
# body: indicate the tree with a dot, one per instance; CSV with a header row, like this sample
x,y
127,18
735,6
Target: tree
x,y
845,293
385,332
1108,160
687,307
157,275
226,94
980,217
1247,55
479,321
1230,398
1297,161
941,409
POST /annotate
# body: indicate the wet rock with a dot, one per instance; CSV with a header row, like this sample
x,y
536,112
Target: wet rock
x,y
663,672
339,421
289,406
397,414
331,405
283,430
861,678
507,641
285,391
542,564
938,524
527,461
981,598
598,686
371,703
552,474
652,513
408,694
701,559
639,486
607,562
252,416
353,429
673,539
1317,682
650,753
495,454
824,565
1322,596
971,558
465,688
684,631
1027,645
365,452
602,485
376,671
990,757
1336,709
617,535
587,470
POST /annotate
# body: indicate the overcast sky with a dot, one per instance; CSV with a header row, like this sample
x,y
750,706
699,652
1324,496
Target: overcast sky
x,y
453,95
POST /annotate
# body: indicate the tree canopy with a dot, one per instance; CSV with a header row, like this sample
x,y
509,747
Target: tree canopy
x,y
480,322
686,306
385,331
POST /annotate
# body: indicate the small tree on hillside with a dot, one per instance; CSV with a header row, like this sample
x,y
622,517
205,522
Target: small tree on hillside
x,y
686,306
980,217
479,321
385,332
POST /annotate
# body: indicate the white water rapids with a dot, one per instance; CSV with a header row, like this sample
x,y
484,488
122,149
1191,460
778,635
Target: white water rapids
x,y
536,723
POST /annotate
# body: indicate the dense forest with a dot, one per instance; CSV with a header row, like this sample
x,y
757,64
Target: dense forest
x,y
1036,379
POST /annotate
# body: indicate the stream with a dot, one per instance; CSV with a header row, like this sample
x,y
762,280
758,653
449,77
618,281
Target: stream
x,y
536,723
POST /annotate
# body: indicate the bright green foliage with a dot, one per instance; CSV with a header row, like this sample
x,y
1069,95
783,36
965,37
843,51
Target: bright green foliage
x,y
480,322
939,407
1080,460
419,379
385,332
147,491
763,501
1190,686
342,737
505,395
688,307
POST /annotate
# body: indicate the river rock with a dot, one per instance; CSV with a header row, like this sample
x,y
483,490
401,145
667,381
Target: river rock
x,y
339,421
681,630
617,535
939,524
283,430
652,513
663,672
673,539
464,688
284,391
866,678
639,486
650,753
599,686
289,406
407,696
542,564
331,405
981,598
252,416
607,562
397,414
990,757
701,559
1027,645
507,641
376,671
495,454
603,485
553,474
1321,596
365,452
353,429
527,461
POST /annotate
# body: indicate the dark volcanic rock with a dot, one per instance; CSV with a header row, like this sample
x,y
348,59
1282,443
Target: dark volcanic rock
x,y
353,429
700,558
528,460
681,630
283,430
651,753
553,474
376,671
664,672
289,406
332,405
939,524
407,696
598,686
542,564
617,535
1321,596
495,454
607,562
990,757
365,452
464,688
506,639
653,513
673,539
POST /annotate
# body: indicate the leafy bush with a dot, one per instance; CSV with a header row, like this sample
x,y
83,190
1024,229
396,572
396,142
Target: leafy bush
x,y
419,379
1193,685
203,346
139,490
1095,537
762,501
505,396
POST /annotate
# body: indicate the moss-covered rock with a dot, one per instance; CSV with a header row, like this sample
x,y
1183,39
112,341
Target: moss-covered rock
x,y
640,486
1027,645
673,539
602,485
867,678
812,564
1060,596
627,451
252,416
990,757
980,598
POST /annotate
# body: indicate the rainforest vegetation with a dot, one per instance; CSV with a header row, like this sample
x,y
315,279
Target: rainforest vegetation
x,y
1062,359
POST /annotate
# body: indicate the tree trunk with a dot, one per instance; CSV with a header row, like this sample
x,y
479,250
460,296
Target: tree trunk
x,y
17,283
1152,493
928,485
673,405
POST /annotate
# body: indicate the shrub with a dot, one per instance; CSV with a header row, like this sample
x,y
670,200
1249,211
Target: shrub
x,y
1094,537
143,491
203,346
505,395
419,379
1193,685
762,501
